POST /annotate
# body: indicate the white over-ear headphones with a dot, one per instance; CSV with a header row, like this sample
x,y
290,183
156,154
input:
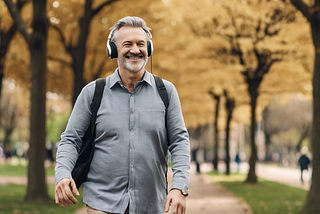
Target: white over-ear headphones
x,y
112,51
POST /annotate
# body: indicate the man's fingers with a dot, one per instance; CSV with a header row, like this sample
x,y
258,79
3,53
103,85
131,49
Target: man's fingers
x,y
63,199
167,206
183,210
69,195
56,197
63,192
174,208
74,187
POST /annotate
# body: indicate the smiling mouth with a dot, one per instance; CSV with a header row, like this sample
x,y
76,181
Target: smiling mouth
x,y
134,57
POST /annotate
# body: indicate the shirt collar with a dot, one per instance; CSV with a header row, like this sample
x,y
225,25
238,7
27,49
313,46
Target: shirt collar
x,y
115,78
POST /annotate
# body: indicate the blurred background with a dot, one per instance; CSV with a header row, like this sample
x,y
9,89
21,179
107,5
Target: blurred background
x,y
243,70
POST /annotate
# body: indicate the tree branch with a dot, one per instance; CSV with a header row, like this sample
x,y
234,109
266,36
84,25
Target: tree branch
x,y
303,8
101,6
63,40
58,60
17,20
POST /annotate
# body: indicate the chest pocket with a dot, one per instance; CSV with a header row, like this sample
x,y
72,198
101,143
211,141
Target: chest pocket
x,y
152,121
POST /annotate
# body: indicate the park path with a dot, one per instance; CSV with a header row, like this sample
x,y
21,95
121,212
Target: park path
x,y
269,171
285,175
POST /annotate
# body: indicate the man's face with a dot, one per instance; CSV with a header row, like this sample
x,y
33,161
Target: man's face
x,y
132,48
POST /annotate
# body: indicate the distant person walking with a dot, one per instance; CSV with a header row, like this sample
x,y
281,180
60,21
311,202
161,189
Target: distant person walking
x,y
304,161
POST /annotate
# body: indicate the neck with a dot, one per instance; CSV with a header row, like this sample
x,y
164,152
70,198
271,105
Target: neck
x,y
129,78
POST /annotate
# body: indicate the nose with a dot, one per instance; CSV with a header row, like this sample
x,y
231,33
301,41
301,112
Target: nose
x,y
135,49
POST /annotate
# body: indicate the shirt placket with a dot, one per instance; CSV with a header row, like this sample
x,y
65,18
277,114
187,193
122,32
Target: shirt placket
x,y
131,143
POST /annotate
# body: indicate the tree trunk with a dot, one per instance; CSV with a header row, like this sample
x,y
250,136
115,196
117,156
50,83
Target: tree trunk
x,y
79,53
37,188
313,16
228,144
268,143
252,177
216,135
6,139
79,81
313,200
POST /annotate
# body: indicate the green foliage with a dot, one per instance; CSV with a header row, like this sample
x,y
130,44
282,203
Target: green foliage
x,y
266,197
11,201
55,126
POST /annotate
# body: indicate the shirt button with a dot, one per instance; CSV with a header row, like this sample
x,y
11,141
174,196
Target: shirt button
x,y
131,147
131,166
131,112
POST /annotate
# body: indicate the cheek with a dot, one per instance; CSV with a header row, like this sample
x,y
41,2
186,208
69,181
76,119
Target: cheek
x,y
144,51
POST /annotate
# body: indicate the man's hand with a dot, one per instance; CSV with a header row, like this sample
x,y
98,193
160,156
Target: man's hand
x,y
177,201
63,192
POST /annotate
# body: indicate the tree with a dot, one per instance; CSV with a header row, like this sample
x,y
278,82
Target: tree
x,y
216,131
37,43
256,61
312,14
78,49
229,107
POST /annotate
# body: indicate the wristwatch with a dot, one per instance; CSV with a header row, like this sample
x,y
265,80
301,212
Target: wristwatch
x,y
185,192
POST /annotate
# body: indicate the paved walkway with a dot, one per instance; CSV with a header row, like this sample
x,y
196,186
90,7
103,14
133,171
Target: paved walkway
x,y
286,175
207,197
269,171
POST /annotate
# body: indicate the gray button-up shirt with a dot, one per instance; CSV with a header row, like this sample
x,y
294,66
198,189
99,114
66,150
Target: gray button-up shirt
x,y
130,161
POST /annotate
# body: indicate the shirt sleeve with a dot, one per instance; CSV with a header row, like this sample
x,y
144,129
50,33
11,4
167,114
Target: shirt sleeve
x,y
70,143
178,139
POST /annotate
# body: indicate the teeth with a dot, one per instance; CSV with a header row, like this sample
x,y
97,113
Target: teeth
x,y
134,57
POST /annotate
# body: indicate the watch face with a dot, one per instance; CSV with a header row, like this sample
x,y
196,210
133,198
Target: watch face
x,y
185,192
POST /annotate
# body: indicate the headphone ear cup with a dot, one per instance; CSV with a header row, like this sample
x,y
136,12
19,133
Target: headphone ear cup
x,y
112,50
150,47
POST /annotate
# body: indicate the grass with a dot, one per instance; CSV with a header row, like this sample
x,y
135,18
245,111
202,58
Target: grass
x,y
11,201
265,197
12,196
19,170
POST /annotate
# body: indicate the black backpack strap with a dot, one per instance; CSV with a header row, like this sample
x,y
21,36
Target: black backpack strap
x,y
96,102
162,90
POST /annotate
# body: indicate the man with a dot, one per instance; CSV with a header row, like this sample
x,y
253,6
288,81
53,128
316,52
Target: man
x,y
134,130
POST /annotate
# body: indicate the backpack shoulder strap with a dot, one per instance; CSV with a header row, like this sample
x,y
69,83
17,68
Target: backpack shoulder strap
x,y
96,101
162,90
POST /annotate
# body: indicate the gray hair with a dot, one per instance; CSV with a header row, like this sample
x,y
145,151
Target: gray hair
x,y
129,21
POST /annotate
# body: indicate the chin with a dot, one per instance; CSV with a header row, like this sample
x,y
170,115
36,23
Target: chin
x,y
135,68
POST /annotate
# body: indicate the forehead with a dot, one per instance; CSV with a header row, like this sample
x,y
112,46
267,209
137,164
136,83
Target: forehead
x,y
128,33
